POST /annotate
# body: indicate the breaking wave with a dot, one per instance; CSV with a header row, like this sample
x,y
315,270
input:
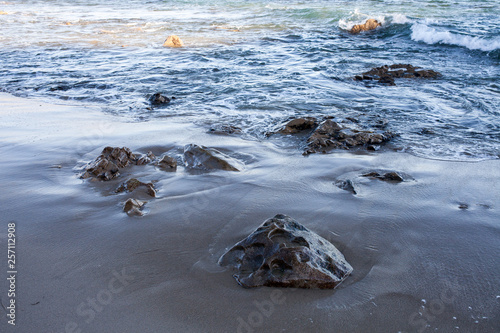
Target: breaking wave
x,y
429,35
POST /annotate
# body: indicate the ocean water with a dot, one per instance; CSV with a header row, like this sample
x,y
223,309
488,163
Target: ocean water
x,y
255,64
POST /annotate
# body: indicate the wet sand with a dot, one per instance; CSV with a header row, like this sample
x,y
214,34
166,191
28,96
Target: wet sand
x,y
420,262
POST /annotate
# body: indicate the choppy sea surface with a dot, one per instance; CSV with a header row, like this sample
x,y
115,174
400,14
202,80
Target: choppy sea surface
x,y
254,64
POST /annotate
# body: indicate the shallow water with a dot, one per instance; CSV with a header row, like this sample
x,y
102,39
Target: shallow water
x,y
420,262
254,64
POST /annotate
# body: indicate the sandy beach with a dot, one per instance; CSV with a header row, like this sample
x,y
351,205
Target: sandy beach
x,y
425,252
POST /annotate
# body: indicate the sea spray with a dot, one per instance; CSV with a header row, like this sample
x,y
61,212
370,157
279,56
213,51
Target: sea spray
x,y
429,35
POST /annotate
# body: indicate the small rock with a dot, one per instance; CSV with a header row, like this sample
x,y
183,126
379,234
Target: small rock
x,y
146,159
283,253
370,24
392,176
107,165
346,185
173,41
463,206
200,157
167,163
388,176
159,99
299,125
132,184
133,207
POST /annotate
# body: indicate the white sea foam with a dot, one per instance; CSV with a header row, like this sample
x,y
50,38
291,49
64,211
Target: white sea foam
x,y
429,35
357,17
400,19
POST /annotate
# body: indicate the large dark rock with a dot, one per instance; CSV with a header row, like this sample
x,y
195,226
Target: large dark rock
x,y
108,164
330,135
387,74
283,253
200,157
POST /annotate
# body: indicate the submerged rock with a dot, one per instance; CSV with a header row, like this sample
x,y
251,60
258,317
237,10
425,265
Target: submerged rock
x,y
146,159
224,129
283,253
132,184
298,125
392,176
387,74
330,135
173,41
133,207
158,99
346,185
370,24
200,157
107,165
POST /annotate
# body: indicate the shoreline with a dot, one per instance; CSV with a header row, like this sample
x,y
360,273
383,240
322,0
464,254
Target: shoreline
x,y
420,262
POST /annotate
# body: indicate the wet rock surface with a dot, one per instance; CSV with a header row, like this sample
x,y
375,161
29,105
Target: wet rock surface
x,y
283,253
158,99
224,129
387,74
298,125
107,165
167,163
353,182
392,176
146,159
200,157
173,41
132,184
346,185
370,24
134,207
331,135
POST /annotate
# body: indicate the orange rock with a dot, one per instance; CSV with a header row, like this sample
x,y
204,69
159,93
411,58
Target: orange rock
x,y
173,41
370,24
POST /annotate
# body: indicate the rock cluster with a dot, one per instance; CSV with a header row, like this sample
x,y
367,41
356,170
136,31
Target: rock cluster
x,y
330,135
108,164
283,253
370,24
387,74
